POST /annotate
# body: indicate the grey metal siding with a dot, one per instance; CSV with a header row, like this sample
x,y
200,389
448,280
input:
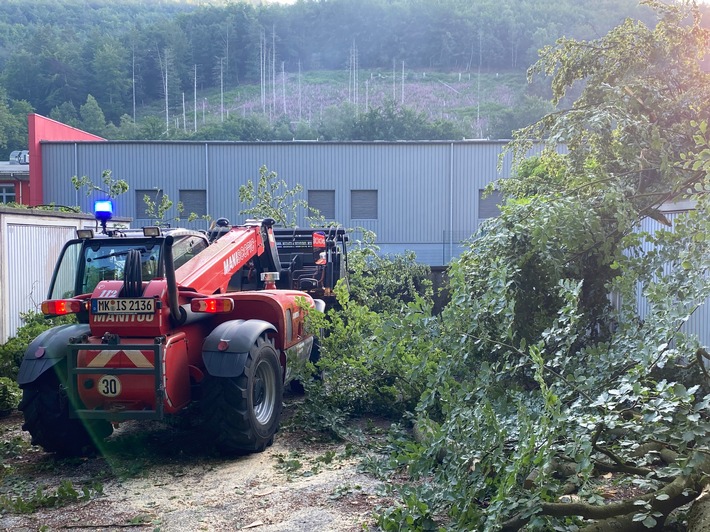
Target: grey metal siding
x,y
427,191
194,201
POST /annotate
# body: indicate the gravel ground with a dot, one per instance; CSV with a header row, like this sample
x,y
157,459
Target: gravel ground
x,y
152,477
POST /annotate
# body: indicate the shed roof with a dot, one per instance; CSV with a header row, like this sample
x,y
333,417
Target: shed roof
x,y
14,171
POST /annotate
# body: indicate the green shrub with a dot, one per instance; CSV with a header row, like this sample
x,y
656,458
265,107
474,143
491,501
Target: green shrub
x,y
10,396
386,284
372,352
13,350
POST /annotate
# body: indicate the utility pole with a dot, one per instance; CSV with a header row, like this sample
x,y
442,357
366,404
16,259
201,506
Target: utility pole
x,y
194,106
164,71
273,69
262,64
478,89
356,76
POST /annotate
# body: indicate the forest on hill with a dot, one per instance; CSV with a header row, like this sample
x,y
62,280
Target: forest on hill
x,y
337,69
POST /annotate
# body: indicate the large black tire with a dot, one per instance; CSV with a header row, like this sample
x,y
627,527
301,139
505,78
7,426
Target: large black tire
x,y
242,414
46,408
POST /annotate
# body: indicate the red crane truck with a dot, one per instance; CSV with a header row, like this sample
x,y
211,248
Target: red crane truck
x,y
165,318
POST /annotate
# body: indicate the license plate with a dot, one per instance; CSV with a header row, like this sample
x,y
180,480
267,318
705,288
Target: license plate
x,y
136,305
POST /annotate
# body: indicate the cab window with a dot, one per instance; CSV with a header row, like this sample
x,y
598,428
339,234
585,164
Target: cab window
x,y
64,282
186,248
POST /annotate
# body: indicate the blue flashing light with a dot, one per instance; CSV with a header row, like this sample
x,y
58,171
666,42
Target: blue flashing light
x,y
103,210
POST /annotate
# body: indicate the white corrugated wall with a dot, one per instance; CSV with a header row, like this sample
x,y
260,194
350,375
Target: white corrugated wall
x,y
30,247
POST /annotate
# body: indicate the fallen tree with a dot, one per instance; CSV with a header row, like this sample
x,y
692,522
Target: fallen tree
x,y
565,338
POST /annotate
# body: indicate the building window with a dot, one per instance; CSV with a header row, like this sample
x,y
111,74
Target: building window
x,y
323,201
154,195
7,193
488,204
194,202
363,204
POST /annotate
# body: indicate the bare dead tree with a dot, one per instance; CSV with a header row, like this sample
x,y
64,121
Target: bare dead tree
x,y
163,62
283,85
262,66
273,70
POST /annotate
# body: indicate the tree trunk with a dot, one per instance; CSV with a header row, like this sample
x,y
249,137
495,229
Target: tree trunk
x,y
699,517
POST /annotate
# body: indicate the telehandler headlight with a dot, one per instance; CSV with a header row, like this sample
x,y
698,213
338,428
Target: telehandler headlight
x,y
151,230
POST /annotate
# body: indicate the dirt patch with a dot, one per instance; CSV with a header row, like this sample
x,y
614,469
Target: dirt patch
x,y
151,476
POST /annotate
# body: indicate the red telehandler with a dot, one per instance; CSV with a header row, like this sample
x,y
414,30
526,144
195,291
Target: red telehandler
x,y
167,317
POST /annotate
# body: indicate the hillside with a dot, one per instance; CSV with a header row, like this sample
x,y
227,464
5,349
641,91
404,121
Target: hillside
x,y
315,104
102,65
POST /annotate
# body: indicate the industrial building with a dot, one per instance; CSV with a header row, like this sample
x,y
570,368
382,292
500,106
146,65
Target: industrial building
x,y
423,196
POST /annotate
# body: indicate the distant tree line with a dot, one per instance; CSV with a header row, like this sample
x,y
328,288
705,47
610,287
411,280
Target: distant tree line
x,y
70,59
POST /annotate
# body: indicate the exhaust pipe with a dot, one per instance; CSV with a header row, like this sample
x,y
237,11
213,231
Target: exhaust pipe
x,y
176,313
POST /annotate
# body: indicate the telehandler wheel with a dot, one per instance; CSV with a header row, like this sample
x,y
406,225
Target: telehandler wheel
x,y
46,408
242,413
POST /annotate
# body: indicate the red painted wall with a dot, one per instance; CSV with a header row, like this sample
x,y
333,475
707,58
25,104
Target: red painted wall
x,y
43,128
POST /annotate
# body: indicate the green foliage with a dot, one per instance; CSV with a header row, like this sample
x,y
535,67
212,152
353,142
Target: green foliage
x,y
10,396
157,208
251,128
112,187
505,120
397,279
13,350
92,116
66,113
55,57
536,366
13,124
363,370
62,495
393,122
412,514
271,198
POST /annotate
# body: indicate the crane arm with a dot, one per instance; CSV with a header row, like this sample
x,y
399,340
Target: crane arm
x,y
210,271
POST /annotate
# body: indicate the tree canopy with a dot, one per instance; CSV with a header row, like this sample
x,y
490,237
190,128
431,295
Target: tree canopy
x,y
544,388
55,54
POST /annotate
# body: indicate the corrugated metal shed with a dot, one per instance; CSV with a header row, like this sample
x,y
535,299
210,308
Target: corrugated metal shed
x,y
427,193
